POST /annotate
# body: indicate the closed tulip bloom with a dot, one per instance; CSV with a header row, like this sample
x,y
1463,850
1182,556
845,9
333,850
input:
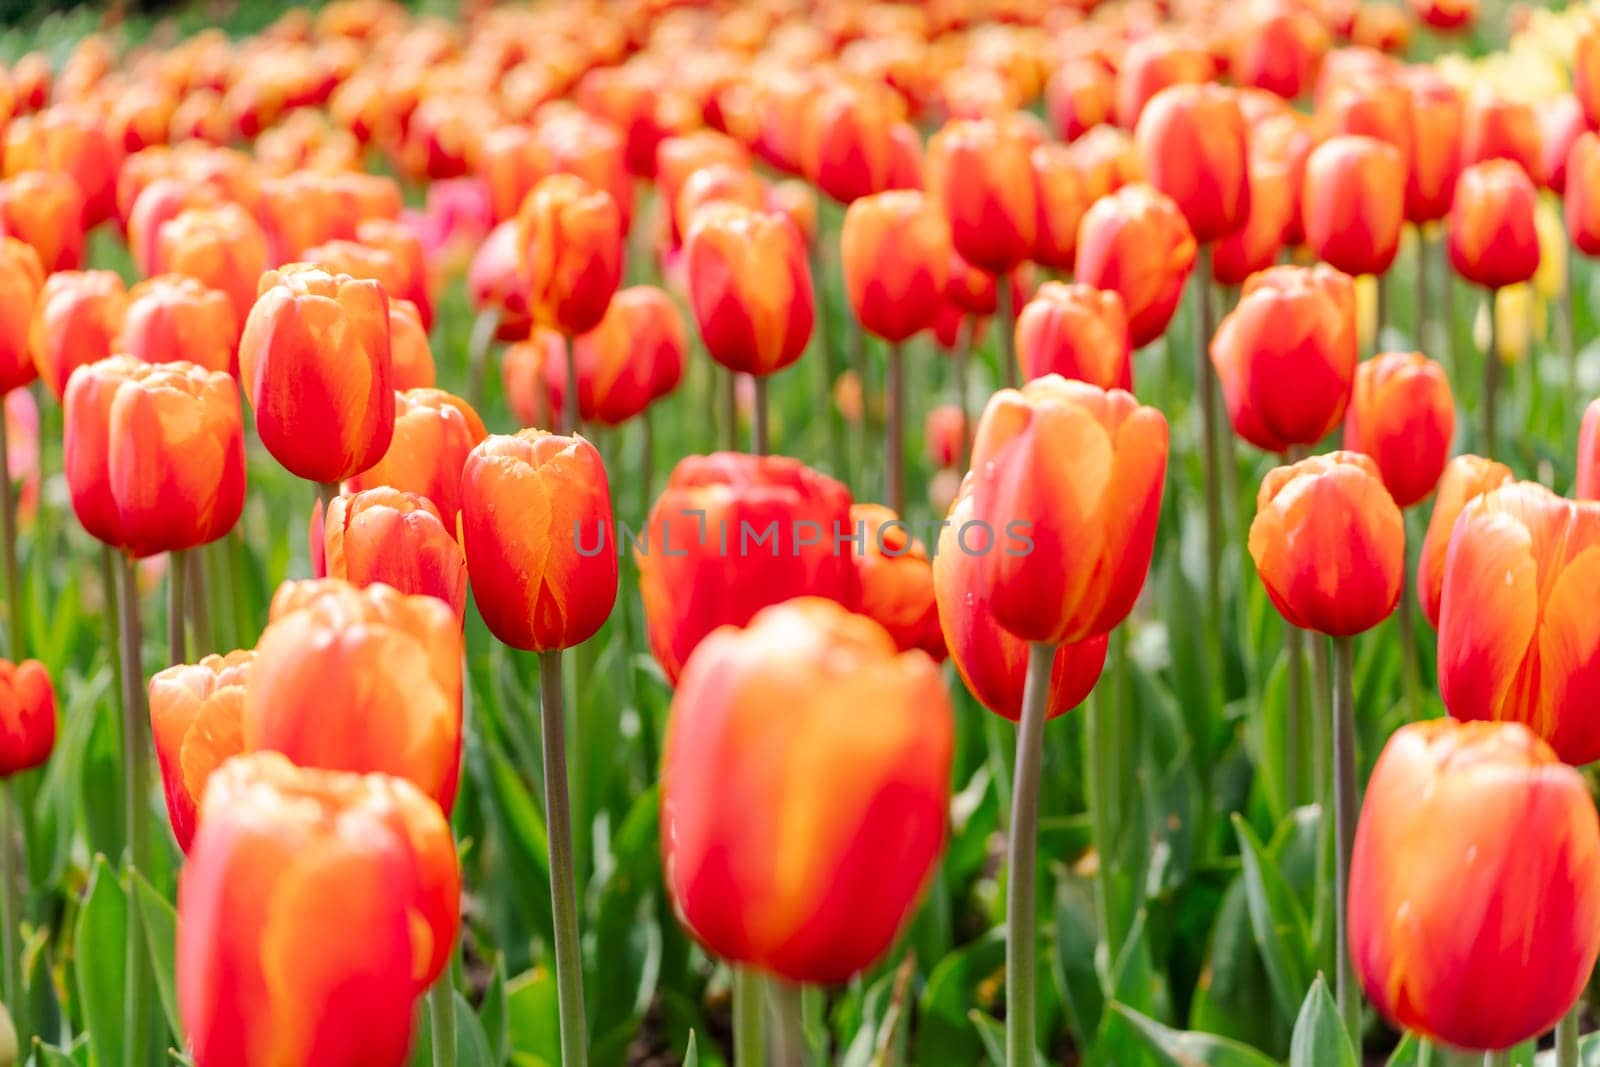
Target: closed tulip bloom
x,y
1493,127
896,580
992,662
44,208
1376,107
1078,332
1494,240
433,433
1329,544
1582,198
1192,143
679,158
173,318
1107,160
979,176
1152,64
75,320
1078,472
1516,617
27,716
404,247
410,355
360,679
1279,49
21,281
536,527
223,247
366,867
826,877
533,373
847,149
1061,200
1079,96
1586,72
1274,208
196,711
750,289
397,538
1561,122
315,362
1136,243
732,534
570,234
1475,884
73,141
1353,203
1464,479
633,358
718,183
895,251
495,283
1436,109
1403,415
1587,486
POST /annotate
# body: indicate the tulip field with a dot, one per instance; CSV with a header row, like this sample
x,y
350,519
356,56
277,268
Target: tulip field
x,y
800,532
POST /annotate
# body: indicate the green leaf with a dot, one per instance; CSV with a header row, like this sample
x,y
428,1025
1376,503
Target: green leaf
x,y
1180,1048
51,1056
1319,1036
1233,985
533,1015
472,1044
992,1034
952,991
691,1055
1276,919
160,936
494,1013
627,940
99,962
1073,961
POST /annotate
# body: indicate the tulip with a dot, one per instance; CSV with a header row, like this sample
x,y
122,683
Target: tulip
x,y
21,281
534,375
44,208
1353,203
364,680
1403,416
495,284
1482,817
1107,160
70,140
195,713
847,148
1061,200
1136,243
1493,239
397,538
27,718
1586,72
1077,332
895,576
223,247
978,173
366,866
535,524
679,158
1446,15
634,357
738,781
895,252
1152,64
1561,122
433,434
732,534
1493,127
1279,50
570,234
410,355
75,321
1464,479
1582,198
1192,144
174,318
718,183
1079,96
314,361
945,431
1376,107
1587,486
1436,108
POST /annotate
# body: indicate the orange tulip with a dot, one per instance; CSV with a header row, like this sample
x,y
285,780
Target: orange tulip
x,y
1154,63
75,320
21,281
1274,207
1353,203
71,140
979,175
1475,884
360,679
750,287
1329,544
679,158
1107,160
44,208
1376,107
732,534
1136,243
895,577
195,714
992,662
1586,72
945,432
1561,122
366,866
27,716
633,358
1077,332
718,183
173,318
534,375
1582,198
433,434
570,234
1446,15
1493,239
1496,128
315,362
1517,612
495,283
1079,96
827,877
1062,552
895,250
410,355
161,198
1464,479
1279,49
410,280
847,149
223,247
397,538
1061,200
536,527
1436,109
1403,415
1587,486
1192,144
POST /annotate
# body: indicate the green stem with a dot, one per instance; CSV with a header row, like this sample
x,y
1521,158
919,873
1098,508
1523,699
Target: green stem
x,y
563,889
1501,1058
202,641
481,340
1491,379
748,1030
1447,301
177,589
1567,1038
828,366
894,460
1567,327
1410,669
647,459
1005,321
326,492
136,793
760,430
442,1016
1344,759
963,355
11,820
571,423
1210,460
1020,879
1382,312
8,534
1422,289
1294,714
730,406
789,1041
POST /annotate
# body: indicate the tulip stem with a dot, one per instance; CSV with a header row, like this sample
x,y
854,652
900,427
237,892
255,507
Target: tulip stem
x,y
1566,326
570,422
789,1042
484,327
964,332
1422,289
135,776
747,1020
1381,311
1211,462
442,1017
1410,674
326,492
177,588
1502,1058
829,365
11,820
1344,806
1007,330
1491,377
1294,646
894,460
563,890
8,532
202,641
730,404
1020,879
760,430
1567,1038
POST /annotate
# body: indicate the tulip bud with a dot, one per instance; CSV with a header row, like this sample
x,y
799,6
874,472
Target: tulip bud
x,y
43,209
1436,109
1582,199
1068,489
1279,49
1079,96
1077,332
826,877
1586,72
536,527
534,375
1587,486
1061,200
397,538
174,318
1493,127
1488,812
979,175
732,534
27,716
223,247
315,362
1402,414
1353,203
633,358
1275,177
73,141
1464,479
1561,122
433,434
1329,544
750,288
1376,107
719,183
1136,243
21,281
570,235
195,713
1494,240
1193,145
495,283
847,149
365,680
75,320
1150,65
366,866
896,580
679,158
895,249
1107,160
